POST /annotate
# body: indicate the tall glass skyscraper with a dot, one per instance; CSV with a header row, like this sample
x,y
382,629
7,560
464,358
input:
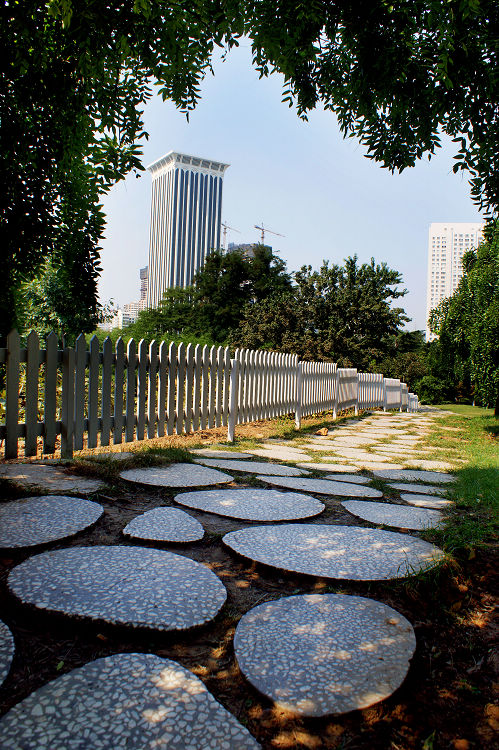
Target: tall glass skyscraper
x,y
186,217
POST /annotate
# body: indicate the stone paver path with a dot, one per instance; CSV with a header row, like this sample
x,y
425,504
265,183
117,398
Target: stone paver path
x,y
327,464
51,479
7,648
132,586
38,520
253,504
425,489
253,467
322,486
399,516
124,701
343,552
413,475
324,653
176,475
208,453
165,525
355,479
280,453
426,501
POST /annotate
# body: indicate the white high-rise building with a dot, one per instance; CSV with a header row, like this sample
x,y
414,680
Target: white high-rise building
x,y
447,243
186,217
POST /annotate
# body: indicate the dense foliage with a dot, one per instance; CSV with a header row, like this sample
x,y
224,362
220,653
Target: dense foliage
x,y
467,324
76,75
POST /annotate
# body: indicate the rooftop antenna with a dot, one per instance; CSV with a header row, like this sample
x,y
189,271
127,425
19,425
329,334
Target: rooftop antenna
x,y
263,230
225,227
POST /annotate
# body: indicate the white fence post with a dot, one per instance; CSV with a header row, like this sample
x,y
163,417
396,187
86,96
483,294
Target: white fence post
x,y
233,399
298,396
68,395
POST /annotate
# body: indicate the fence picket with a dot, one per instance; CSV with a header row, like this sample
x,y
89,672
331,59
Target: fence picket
x,y
162,386
68,395
213,386
172,388
141,388
79,407
205,387
180,388
131,364
93,392
189,384
50,395
220,386
152,389
119,372
107,371
198,364
12,394
31,409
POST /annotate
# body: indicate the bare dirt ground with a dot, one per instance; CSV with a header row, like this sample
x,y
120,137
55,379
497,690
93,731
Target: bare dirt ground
x,y
447,700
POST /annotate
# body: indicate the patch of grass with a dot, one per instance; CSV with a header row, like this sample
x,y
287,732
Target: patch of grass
x,y
465,410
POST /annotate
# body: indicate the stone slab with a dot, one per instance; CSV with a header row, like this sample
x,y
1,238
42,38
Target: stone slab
x,y
253,467
208,453
413,475
7,648
52,479
422,489
350,478
176,475
253,504
322,486
390,514
124,701
426,501
420,463
165,524
339,552
327,464
39,520
376,465
281,454
321,654
134,586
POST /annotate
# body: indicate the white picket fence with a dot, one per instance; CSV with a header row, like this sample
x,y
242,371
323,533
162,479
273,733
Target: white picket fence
x,y
116,394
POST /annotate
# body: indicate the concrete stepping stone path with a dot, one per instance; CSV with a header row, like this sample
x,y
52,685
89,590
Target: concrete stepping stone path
x,y
176,475
424,464
426,501
253,504
7,648
321,654
165,525
253,467
48,478
341,552
413,475
124,701
39,520
327,464
281,454
134,586
348,478
425,489
390,514
322,486
208,453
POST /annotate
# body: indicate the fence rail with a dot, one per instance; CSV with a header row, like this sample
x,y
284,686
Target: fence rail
x,y
116,394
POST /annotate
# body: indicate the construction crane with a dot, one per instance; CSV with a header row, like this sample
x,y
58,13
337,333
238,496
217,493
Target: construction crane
x,y
263,230
225,227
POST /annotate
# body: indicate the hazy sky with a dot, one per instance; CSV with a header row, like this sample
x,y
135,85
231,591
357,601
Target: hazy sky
x,y
300,178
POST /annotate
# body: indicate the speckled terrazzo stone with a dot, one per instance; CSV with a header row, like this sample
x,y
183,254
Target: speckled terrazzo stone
x,y
48,478
426,501
165,525
332,468
413,475
253,504
7,648
253,467
208,453
348,478
38,520
389,514
320,654
322,486
328,551
281,453
131,701
134,586
176,475
421,489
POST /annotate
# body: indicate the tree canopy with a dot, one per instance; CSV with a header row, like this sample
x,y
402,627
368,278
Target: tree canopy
x,y
76,75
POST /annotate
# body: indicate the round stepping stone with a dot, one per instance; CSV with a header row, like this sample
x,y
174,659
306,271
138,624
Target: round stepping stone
x,y
38,520
7,648
254,467
320,654
208,453
176,475
165,525
134,586
412,475
422,489
253,504
48,478
322,486
124,701
390,514
281,454
349,478
376,466
426,501
334,467
341,552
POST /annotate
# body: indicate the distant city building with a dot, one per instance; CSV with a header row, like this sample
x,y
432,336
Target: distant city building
x,y
186,217
144,276
247,249
447,243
